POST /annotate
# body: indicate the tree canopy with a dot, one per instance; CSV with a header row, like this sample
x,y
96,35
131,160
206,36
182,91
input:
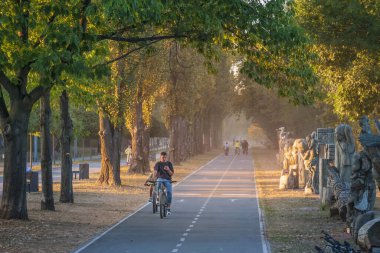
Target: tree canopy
x,y
346,38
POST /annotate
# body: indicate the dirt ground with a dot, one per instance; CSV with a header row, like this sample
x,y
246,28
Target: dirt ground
x,y
293,220
95,209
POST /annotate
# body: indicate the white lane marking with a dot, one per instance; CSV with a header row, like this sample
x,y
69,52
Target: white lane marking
x,y
264,241
188,194
181,200
105,232
179,245
236,194
233,200
197,170
205,204
185,234
188,230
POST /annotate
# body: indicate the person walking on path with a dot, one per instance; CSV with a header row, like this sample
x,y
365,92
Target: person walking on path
x,y
226,148
163,171
128,152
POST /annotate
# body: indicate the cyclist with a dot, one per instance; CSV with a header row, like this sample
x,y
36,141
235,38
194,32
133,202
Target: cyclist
x,y
237,147
148,181
163,171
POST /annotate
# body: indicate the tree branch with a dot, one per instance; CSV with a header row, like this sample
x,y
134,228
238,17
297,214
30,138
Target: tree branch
x,y
4,114
126,54
86,3
23,77
51,20
37,92
139,39
6,83
24,35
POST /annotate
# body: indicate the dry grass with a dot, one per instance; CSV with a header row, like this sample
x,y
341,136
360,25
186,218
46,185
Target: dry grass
x,y
95,209
293,221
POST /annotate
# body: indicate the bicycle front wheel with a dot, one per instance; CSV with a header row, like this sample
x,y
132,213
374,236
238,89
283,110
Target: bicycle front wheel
x,y
154,202
162,206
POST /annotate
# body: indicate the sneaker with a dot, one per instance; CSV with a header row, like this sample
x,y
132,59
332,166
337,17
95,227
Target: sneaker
x,y
150,199
168,212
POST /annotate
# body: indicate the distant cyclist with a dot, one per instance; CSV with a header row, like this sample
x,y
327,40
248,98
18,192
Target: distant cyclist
x,y
148,182
226,148
237,147
163,171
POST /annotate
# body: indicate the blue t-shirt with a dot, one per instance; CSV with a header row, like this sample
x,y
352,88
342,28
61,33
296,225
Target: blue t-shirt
x,y
161,173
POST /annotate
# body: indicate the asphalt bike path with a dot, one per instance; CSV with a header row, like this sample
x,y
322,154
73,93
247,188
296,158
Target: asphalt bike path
x,y
214,209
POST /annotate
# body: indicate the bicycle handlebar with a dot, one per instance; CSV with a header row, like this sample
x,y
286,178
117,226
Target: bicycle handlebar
x,y
154,182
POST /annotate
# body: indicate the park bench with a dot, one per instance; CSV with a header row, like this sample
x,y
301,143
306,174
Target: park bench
x,y
83,172
75,172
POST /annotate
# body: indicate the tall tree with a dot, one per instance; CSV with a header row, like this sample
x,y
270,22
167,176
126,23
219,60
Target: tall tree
x,y
346,39
149,76
111,114
67,194
47,201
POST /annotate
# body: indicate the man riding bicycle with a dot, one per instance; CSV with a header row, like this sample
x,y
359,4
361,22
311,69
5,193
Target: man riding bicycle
x,y
163,171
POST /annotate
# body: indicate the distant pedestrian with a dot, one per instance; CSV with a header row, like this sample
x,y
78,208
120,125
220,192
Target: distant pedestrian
x,y
128,152
226,148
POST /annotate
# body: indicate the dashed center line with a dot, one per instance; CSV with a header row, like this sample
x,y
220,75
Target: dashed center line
x,y
202,208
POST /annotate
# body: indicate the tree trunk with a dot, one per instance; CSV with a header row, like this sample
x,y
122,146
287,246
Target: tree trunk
x,y
67,195
146,148
13,202
47,201
198,132
117,135
183,133
206,133
138,163
174,149
106,149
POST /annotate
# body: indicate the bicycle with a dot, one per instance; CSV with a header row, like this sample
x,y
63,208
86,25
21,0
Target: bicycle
x,y
334,246
160,199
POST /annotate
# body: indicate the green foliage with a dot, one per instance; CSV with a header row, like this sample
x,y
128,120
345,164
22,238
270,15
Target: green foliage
x,y
67,43
346,36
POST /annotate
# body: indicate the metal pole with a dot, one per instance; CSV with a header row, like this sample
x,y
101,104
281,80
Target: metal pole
x,y
30,150
53,153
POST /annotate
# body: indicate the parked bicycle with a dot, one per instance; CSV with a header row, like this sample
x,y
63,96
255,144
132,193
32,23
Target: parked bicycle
x,y
160,198
334,246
